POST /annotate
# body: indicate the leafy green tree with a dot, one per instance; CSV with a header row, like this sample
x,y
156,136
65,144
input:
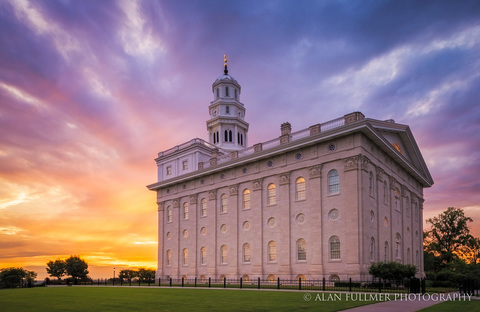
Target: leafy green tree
x,y
392,271
57,268
128,275
146,274
76,268
15,277
449,232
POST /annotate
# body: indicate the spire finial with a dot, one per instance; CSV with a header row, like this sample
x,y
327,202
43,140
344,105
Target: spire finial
x,y
225,61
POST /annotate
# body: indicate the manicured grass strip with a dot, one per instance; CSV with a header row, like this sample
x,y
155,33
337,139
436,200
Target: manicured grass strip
x,y
163,299
449,306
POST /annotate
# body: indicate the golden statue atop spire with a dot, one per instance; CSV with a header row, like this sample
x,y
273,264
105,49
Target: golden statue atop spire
x,y
225,61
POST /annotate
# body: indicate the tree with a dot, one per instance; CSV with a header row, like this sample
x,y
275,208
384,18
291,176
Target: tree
x,y
449,231
76,268
471,251
57,268
146,274
15,277
128,275
392,271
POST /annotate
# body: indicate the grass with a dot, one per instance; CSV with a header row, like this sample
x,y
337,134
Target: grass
x,y
164,299
449,306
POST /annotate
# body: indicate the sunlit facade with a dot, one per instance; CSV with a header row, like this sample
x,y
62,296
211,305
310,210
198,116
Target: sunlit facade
x,y
325,201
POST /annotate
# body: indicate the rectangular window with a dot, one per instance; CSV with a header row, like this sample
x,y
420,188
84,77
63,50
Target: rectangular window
x,y
226,91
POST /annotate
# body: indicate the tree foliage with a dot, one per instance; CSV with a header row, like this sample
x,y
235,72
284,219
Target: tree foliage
x,y
76,267
449,232
392,271
127,274
15,277
57,268
146,274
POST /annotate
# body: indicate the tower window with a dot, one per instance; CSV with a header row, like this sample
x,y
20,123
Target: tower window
x,y
236,93
226,91
227,110
218,92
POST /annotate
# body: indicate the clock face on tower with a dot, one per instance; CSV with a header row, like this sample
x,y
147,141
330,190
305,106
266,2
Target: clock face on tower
x,y
215,112
239,114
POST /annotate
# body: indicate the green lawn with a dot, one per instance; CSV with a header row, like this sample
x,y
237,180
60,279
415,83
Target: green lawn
x,y
163,299
449,306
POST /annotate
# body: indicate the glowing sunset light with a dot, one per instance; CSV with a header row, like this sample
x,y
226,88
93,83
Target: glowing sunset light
x,y
91,91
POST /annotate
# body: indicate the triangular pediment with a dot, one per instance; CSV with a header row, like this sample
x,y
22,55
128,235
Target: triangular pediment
x,y
398,142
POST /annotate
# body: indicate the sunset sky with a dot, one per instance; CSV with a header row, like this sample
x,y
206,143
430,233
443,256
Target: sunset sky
x,y
91,91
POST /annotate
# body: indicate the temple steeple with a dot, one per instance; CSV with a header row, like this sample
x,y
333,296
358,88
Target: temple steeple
x,y
226,127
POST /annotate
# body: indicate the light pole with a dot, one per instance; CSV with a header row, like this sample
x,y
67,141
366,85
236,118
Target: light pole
x,y
113,276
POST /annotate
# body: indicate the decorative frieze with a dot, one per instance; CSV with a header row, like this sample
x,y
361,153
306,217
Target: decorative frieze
x,y
284,178
257,184
212,195
351,163
161,206
233,190
193,199
315,171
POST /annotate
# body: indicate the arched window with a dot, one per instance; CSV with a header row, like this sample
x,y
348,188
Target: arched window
x,y
272,251
236,95
246,199
185,211
372,249
218,92
224,203
203,211
246,253
203,255
169,214
222,277
334,244
185,256
230,139
370,184
301,277
169,257
398,246
223,254
241,139
300,185
225,139
271,278
301,249
386,252
203,278
272,194
246,278
226,91
408,256
227,109
333,182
